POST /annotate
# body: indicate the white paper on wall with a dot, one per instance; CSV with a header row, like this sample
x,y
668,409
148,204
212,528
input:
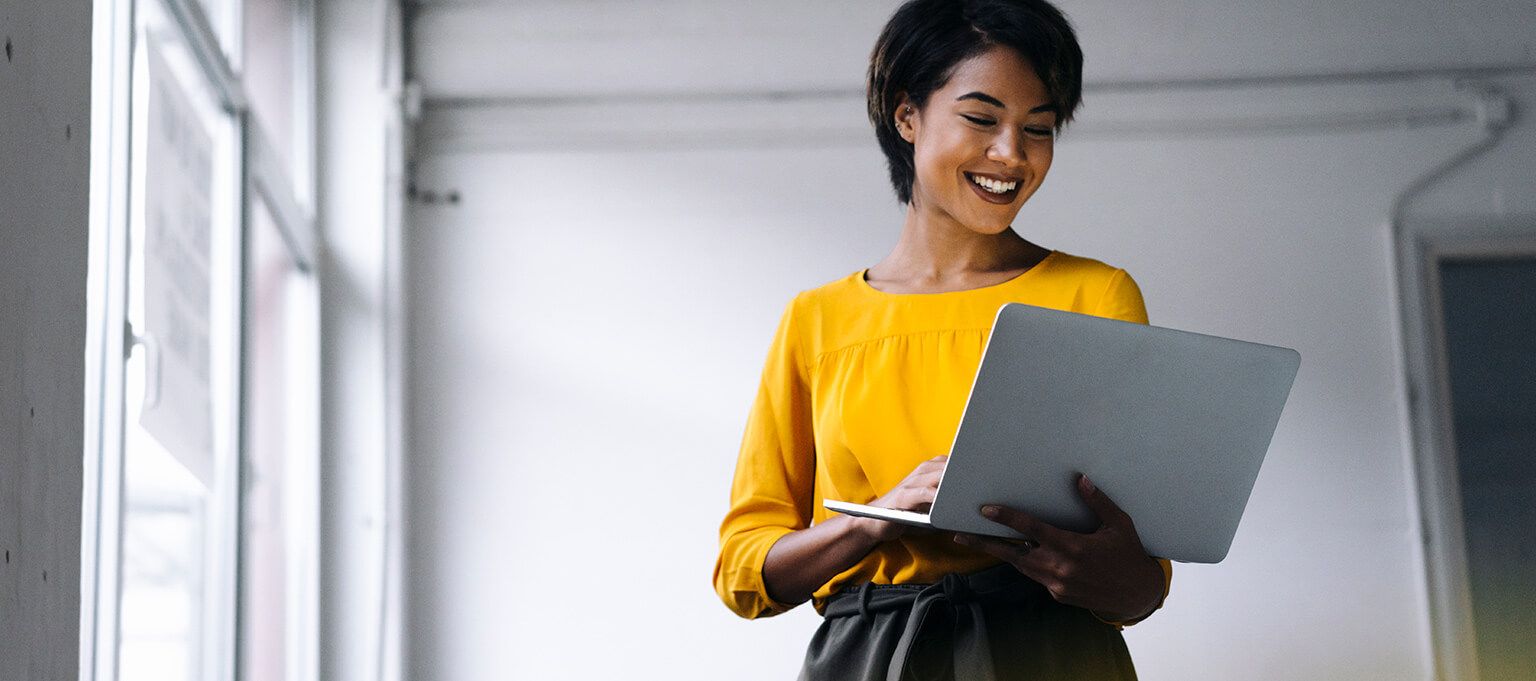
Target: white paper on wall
x,y
177,250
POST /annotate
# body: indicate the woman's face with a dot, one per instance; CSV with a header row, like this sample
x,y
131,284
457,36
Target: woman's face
x,y
982,144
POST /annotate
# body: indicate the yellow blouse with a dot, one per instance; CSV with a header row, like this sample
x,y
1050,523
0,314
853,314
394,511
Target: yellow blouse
x,y
860,386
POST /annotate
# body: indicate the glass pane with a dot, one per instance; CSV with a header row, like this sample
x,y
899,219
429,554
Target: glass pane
x,y
178,536
221,18
1490,321
278,561
273,73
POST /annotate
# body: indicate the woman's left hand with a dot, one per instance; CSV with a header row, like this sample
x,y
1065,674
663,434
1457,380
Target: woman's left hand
x,y
1106,571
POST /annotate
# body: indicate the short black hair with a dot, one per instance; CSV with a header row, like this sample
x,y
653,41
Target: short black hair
x,y
925,39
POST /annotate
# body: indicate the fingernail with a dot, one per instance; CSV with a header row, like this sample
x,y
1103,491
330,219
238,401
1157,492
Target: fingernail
x,y
991,511
962,539
1087,484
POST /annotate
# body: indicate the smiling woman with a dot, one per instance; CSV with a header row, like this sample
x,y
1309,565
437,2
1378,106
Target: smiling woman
x,y
867,377
977,144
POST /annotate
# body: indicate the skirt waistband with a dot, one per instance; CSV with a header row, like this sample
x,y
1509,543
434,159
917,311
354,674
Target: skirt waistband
x,y
1001,583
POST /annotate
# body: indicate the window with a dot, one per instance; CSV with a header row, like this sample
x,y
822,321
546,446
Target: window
x,y
276,71
279,533
181,405
206,465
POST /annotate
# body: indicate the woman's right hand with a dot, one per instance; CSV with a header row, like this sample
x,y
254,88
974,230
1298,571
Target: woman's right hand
x,y
914,493
802,561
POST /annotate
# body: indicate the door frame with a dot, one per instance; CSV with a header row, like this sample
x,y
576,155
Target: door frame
x,y
1422,245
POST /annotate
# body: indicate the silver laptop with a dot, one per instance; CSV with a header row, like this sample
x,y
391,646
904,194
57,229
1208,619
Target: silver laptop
x,y
1172,425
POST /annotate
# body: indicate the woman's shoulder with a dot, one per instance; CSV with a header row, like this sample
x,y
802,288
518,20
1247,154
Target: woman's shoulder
x,y
837,313
1063,264
1099,288
836,293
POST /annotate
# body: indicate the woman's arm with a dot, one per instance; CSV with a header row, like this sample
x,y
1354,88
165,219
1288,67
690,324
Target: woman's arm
x,y
803,560
773,491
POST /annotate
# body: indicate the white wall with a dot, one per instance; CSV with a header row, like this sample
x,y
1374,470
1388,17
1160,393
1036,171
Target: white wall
x,y
45,118
589,319
475,49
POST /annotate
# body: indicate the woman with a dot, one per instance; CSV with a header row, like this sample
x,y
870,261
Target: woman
x,y
867,377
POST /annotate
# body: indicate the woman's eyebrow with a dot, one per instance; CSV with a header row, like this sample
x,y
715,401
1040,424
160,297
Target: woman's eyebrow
x,y
984,97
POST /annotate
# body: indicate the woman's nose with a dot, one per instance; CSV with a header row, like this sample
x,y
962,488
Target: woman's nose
x,y
1008,147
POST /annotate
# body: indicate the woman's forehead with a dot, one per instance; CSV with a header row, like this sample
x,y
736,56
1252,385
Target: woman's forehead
x,y
1001,74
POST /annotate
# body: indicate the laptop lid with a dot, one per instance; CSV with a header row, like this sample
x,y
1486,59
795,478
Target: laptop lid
x,y
1172,425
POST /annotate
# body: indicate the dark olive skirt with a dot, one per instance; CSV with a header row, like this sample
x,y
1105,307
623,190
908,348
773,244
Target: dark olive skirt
x,y
994,624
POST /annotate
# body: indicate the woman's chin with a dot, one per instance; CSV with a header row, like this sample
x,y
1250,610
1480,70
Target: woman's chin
x,y
990,228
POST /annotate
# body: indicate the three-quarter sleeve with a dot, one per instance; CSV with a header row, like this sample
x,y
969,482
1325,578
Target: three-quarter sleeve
x,y
771,494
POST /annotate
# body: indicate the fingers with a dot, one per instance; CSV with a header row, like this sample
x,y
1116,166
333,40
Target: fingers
x,y
927,482
908,499
936,464
915,494
1100,503
922,498
1023,554
1096,570
916,491
1002,548
926,476
1023,523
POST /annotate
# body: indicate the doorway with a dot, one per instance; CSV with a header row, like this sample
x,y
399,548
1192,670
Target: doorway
x,y
1488,319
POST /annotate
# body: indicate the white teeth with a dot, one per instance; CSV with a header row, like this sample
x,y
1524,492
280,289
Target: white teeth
x,y
993,185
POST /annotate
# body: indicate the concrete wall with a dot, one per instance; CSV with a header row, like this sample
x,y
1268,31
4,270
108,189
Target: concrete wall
x,y
45,87
590,315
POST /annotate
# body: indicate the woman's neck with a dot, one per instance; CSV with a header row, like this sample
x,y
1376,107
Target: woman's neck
x,y
940,254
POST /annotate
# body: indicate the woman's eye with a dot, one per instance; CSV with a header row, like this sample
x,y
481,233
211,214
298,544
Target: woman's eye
x,y
977,121
1041,133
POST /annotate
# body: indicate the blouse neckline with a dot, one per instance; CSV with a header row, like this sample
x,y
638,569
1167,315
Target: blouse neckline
x,y
863,282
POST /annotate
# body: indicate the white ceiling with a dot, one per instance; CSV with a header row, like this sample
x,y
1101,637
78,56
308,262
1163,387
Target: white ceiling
x,y
529,49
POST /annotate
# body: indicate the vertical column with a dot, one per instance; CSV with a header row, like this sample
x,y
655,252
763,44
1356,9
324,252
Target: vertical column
x,y
45,117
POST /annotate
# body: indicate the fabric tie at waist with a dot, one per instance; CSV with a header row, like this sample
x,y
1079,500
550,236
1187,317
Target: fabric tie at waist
x,y
947,623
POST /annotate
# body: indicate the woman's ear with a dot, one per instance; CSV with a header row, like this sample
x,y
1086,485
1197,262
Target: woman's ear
x,y
906,116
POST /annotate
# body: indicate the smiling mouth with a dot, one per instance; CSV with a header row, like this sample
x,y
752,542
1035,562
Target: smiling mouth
x,y
994,186
994,190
